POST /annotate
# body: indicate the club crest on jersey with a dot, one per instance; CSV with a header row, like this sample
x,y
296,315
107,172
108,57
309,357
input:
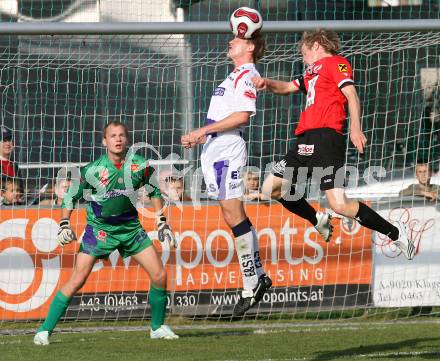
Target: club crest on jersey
x,y
103,177
102,236
342,68
134,167
250,94
313,69
219,91
306,149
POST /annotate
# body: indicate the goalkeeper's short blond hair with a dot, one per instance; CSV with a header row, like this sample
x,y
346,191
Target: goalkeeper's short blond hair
x,y
115,123
328,39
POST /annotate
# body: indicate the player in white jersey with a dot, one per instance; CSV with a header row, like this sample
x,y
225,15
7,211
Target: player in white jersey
x,y
224,156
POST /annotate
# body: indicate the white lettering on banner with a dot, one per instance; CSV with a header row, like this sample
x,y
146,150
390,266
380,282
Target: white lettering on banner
x,y
293,296
269,232
208,248
44,232
16,228
217,278
179,261
287,232
398,282
190,280
165,246
319,254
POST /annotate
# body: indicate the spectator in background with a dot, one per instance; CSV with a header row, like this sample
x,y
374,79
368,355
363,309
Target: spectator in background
x,y
7,167
251,178
11,193
57,196
172,187
424,188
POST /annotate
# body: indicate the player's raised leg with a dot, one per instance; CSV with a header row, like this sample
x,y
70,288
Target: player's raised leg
x,y
282,190
370,219
255,281
83,267
150,261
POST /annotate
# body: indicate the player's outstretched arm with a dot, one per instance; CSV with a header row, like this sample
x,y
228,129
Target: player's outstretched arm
x,y
275,86
354,107
164,232
233,121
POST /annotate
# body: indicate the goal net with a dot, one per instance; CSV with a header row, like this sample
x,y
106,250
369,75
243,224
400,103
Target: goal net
x,y
58,92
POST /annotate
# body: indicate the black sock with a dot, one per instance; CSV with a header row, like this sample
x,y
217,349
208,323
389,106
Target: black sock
x,y
301,208
242,228
370,219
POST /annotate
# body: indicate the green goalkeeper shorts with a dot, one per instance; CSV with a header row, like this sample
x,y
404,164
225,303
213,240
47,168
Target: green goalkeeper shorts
x,y
128,238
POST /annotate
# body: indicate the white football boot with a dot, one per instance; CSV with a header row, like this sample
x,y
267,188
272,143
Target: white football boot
x,y
164,333
324,226
403,243
41,338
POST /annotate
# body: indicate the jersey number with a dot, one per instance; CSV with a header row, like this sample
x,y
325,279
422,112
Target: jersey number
x,y
311,92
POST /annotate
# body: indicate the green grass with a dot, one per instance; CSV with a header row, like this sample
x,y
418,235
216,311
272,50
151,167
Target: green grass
x,y
264,341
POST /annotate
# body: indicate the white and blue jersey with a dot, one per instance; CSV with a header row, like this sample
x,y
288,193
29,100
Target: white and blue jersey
x,y
224,154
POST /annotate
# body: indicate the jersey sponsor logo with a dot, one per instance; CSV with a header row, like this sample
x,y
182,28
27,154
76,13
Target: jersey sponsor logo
x,y
234,185
102,236
313,69
316,68
342,68
134,167
118,193
249,84
235,174
219,91
306,149
103,177
250,94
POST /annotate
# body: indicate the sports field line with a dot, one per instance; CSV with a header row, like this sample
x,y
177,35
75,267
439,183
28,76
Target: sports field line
x,y
372,356
260,327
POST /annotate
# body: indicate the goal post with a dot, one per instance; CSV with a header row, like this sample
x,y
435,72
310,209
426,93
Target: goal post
x,y
60,83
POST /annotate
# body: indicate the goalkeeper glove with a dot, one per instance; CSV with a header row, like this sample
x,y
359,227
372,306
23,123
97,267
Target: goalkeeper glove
x,y
65,233
164,231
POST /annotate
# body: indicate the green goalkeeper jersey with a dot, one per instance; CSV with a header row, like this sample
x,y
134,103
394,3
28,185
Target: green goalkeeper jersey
x,y
111,190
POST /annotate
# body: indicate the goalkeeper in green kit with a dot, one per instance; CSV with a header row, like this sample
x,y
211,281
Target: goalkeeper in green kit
x,y
113,223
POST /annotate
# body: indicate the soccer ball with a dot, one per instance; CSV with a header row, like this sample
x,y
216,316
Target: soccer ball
x,y
246,22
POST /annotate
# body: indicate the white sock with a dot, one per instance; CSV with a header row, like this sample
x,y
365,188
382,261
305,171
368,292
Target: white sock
x,y
257,259
244,246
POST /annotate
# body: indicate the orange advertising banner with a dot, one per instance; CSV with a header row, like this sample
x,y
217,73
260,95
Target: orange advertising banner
x,y
33,266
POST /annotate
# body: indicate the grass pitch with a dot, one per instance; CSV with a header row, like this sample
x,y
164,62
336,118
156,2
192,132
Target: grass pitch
x,y
263,341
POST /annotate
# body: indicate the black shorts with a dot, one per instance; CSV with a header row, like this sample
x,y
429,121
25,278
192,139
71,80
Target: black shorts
x,y
317,153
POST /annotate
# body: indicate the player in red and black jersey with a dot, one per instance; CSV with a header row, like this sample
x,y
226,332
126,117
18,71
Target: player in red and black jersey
x,y
319,148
